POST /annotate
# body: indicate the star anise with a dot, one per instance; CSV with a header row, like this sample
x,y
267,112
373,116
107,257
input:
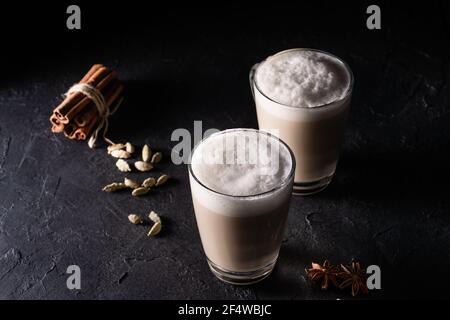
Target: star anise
x,y
353,276
326,272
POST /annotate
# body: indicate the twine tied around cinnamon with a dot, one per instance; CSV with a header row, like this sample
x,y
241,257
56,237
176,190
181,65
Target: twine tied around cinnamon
x,y
103,111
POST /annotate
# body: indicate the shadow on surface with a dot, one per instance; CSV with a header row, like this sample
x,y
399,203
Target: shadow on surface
x,y
413,187
392,177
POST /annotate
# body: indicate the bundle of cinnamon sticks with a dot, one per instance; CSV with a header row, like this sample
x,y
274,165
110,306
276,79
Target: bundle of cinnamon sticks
x,y
77,115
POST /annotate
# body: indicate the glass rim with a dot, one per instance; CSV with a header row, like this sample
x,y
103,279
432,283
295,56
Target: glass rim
x,y
348,92
289,177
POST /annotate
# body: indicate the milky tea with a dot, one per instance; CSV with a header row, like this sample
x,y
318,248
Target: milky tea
x,y
241,183
305,95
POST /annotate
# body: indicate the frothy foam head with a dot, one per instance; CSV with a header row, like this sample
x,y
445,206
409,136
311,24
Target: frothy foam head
x,y
303,78
241,162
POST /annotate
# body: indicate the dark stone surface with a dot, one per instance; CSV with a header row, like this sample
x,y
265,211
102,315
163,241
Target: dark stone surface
x,y
388,204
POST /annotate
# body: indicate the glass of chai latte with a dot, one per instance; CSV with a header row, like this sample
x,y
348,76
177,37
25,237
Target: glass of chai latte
x,y
241,184
305,94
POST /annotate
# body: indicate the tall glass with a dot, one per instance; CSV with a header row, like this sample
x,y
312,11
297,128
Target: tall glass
x,y
241,235
314,134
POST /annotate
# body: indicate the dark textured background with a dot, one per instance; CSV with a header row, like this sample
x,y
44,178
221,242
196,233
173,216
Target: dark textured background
x,y
388,204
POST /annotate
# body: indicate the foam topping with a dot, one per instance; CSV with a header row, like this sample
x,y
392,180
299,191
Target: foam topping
x,y
303,78
241,162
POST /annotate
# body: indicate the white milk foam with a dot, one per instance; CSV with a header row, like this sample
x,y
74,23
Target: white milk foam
x,y
243,178
303,78
241,163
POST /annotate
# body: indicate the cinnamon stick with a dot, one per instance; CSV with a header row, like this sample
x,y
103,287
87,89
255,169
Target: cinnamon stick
x,y
99,80
82,133
112,97
77,115
82,119
91,71
69,129
74,98
57,126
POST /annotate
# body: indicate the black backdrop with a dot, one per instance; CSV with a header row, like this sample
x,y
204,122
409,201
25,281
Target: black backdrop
x,y
183,62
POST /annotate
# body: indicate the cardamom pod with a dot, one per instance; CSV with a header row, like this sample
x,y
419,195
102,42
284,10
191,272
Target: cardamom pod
x,y
154,217
117,146
155,229
129,147
156,157
140,191
162,179
130,183
135,219
123,166
149,182
121,154
114,186
146,153
143,166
